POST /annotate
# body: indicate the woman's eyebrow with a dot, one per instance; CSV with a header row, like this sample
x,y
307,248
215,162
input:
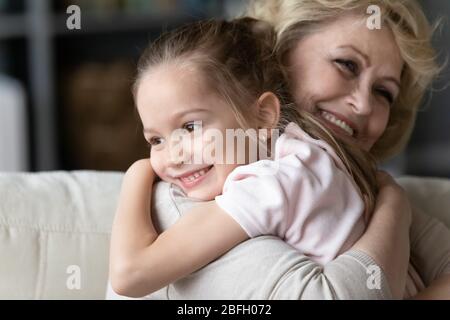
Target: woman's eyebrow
x,y
392,79
367,60
349,46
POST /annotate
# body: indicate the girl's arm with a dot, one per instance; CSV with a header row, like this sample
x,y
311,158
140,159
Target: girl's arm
x,y
386,239
390,250
132,227
268,268
142,261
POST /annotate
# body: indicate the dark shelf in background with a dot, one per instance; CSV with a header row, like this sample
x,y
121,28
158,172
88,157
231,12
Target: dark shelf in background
x,y
49,51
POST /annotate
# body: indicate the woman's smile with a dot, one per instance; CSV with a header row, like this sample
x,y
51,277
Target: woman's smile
x,y
336,123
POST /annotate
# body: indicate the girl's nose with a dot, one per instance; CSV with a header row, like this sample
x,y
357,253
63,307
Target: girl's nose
x,y
178,153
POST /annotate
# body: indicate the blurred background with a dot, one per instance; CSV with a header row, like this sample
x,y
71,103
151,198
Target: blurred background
x,y
65,99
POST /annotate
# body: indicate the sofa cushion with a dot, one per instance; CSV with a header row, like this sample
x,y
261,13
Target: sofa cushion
x,y
54,233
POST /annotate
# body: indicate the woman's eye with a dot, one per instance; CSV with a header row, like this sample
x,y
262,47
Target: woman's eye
x,y
192,125
349,65
386,94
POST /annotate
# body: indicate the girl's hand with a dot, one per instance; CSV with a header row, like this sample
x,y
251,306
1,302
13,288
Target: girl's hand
x,y
392,195
140,170
386,238
438,290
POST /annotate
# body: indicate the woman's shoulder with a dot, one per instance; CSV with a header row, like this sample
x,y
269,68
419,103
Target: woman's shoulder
x,y
168,204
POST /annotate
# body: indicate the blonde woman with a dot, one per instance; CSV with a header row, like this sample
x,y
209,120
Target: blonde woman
x,y
366,96
365,77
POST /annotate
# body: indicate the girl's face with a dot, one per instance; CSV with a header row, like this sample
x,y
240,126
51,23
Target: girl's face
x,y
171,98
348,75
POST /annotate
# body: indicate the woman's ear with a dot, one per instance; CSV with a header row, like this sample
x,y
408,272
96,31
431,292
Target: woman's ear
x,y
268,110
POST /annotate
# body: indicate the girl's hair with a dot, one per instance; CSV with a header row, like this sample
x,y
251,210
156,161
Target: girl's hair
x,y
295,19
236,59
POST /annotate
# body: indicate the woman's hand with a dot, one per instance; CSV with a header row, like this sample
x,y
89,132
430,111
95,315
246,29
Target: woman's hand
x,y
386,238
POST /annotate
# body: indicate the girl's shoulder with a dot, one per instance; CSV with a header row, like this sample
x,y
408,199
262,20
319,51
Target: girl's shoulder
x,y
296,141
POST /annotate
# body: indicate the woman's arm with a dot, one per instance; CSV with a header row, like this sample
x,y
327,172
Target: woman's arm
x,y
148,262
386,239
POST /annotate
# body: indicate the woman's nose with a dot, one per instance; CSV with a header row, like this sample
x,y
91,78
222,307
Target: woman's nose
x,y
361,101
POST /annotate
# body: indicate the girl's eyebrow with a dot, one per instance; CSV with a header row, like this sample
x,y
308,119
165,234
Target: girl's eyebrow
x,y
179,115
147,130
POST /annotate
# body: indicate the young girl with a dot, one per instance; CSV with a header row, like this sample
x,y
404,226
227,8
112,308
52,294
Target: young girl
x,y
315,192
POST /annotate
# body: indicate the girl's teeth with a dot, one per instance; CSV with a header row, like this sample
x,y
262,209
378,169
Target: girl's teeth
x,y
329,117
195,175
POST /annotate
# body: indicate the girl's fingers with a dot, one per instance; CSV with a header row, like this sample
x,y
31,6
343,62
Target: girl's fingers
x,y
383,178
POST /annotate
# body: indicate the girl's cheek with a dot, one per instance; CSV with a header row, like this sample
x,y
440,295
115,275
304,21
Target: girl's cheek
x,y
157,166
212,149
194,150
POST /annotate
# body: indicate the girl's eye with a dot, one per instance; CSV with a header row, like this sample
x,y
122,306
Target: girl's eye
x,y
348,65
192,125
386,94
154,141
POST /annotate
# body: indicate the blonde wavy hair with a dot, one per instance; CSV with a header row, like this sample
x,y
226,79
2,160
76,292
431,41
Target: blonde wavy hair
x,y
294,19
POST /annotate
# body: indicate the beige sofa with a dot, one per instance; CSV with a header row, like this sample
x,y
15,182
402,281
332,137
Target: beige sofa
x,y
55,230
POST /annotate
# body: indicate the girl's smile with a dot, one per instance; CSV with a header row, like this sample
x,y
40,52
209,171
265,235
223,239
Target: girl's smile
x,y
194,178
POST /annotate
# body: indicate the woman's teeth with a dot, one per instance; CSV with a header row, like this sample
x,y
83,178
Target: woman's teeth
x,y
195,175
341,124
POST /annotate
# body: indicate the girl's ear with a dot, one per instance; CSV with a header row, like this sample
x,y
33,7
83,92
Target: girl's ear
x,y
268,110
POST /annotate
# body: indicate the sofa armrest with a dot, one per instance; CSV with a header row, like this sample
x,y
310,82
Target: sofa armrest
x,y
431,195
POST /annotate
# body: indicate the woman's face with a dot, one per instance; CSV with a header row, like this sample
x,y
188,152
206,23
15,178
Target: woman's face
x,y
348,75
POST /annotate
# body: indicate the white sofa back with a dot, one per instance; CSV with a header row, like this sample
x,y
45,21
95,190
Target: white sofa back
x,y
55,230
